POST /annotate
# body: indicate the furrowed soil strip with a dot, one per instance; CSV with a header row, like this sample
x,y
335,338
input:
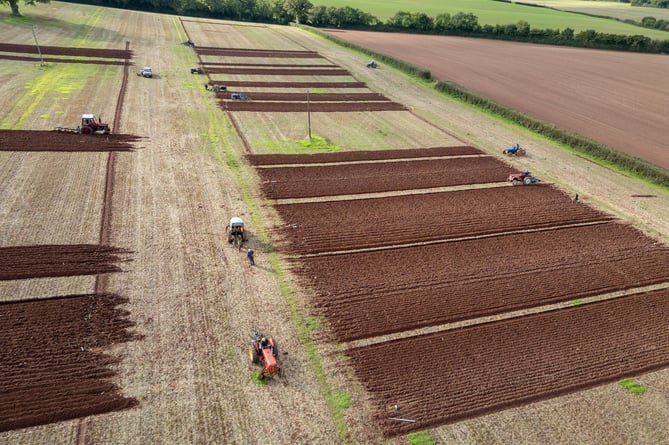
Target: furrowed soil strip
x,y
273,65
503,316
60,60
65,51
282,72
494,366
326,164
50,140
307,181
49,370
363,155
24,262
254,84
448,282
315,228
302,97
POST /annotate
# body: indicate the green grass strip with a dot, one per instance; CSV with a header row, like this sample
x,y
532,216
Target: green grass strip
x,y
633,386
421,438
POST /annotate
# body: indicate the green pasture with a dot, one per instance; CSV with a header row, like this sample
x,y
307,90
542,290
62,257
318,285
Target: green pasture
x,y
490,12
616,10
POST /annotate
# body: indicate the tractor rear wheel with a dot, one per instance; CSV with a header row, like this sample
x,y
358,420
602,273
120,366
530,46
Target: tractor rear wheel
x,y
253,353
86,130
527,181
515,182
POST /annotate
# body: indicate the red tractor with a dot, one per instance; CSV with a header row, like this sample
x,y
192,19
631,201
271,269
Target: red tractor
x,y
524,178
265,351
89,125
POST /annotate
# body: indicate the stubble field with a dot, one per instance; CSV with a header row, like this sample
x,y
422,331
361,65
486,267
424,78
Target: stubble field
x,y
193,301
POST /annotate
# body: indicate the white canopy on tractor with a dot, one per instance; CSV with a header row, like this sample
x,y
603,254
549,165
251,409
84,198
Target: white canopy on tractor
x,y
236,222
87,116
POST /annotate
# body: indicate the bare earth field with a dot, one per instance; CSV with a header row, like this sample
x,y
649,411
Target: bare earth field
x,y
612,97
164,340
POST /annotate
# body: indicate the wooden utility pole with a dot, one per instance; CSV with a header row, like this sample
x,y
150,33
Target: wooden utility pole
x,y
41,63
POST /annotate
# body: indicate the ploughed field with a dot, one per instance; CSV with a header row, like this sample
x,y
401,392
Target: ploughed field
x,y
420,258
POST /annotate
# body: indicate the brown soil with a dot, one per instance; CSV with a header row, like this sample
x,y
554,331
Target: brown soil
x,y
282,72
250,83
271,65
444,377
362,155
325,107
439,283
311,181
302,97
317,227
23,262
570,87
44,140
61,60
52,369
64,51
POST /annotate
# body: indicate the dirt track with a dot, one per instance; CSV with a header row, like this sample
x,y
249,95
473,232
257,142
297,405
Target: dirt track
x,y
612,97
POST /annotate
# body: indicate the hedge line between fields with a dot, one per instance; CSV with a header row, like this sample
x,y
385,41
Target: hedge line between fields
x,y
401,65
628,163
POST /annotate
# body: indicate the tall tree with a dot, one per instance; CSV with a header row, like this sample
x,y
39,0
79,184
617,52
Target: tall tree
x,y
14,4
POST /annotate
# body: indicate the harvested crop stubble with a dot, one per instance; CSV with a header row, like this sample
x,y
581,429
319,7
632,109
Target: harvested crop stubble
x,y
22,262
453,281
494,366
65,51
49,370
237,52
362,155
325,107
49,140
316,227
313,181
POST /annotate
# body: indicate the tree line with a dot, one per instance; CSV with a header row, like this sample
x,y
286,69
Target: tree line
x,y
461,23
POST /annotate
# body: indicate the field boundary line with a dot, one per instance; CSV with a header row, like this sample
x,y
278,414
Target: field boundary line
x,y
503,316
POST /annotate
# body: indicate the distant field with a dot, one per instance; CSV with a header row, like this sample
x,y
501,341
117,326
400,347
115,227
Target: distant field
x,y
622,11
491,12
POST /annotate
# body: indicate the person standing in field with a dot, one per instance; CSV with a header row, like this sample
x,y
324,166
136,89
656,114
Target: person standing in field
x,y
249,254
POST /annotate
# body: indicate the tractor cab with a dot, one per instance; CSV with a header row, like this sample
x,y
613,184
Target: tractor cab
x,y
236,229
91,125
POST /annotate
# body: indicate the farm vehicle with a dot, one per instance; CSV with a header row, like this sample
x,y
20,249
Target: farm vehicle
x,y
264,351
514,150
236,233
524,178
197,70
89,125
372,64
146,72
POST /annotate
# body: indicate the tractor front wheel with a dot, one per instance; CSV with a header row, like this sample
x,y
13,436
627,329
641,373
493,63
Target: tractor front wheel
x,y
515,182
